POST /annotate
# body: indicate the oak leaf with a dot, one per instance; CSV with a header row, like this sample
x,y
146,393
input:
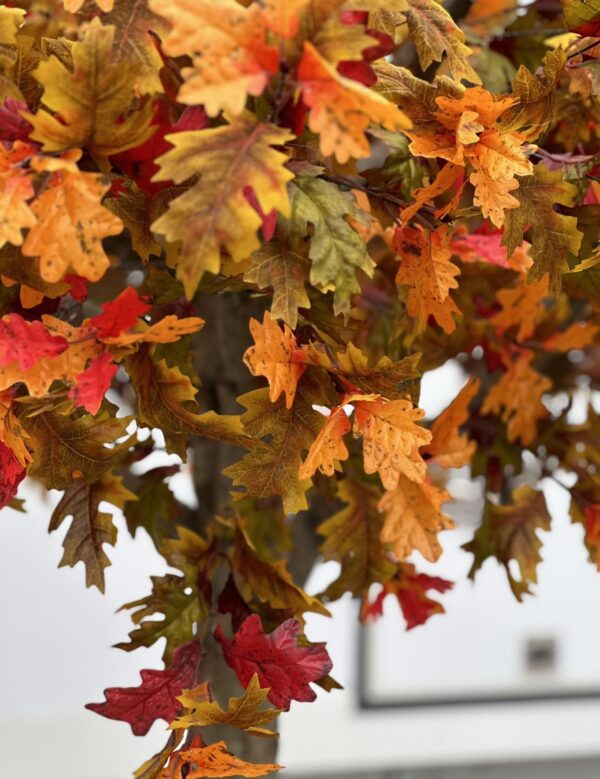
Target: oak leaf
x,y
434,33
90,106
410,588
328,448
156,697
231,58
449,448
16,189
71,224
340,110
509,533
391,439
90,528
212,760
576,336
27,343
276,356
413,518
215,212
182,606
12,474
243,713
553,236
352,538
167,330
119,314
336,250
92,384
279,660
517,399
522,307
12,434
429,275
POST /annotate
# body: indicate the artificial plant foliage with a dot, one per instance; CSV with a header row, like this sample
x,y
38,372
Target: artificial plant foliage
x,y
252,227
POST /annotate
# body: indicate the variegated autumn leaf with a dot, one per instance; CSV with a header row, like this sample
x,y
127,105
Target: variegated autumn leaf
x,y
391,439
215,212
554,236
276,356
509,533
16,189
450,448
211,761
434,33
244,713
340,110
429,275
12,434
413,518
92,105
65,366
71,222
231,57
517,399
522,306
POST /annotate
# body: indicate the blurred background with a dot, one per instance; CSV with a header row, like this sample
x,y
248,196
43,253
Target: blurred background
x,y
493,689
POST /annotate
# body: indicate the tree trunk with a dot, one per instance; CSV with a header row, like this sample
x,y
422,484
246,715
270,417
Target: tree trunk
x,y
219,348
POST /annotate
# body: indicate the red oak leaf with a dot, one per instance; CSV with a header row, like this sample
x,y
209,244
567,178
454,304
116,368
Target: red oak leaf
x,y
156,697
11,475
282,663
231,602
269,221
78,284
26,343
119,314
360,70
410,588
139,163
92,384
12,125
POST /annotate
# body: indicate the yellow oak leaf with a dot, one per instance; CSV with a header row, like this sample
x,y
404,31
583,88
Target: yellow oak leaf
x,y
328,448
92,105
15,190
449,448
493,195
215,212
276,356
12,433
413,518
228,44
71,223
517,399
522,306
428,274
340,110
243,713
391,439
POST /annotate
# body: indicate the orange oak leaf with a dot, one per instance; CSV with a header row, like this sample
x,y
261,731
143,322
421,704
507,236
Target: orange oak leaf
x,y
92,384
328,448
213,760
276,356
428,274
167,330
231,57
522,306
73,6
391,439
413,518
447,176
12,435
71,223
449,448
15,190
283,16
340,110
576,336
517,399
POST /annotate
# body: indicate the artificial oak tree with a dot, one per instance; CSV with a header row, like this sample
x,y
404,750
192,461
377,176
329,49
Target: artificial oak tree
x,y
258,224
